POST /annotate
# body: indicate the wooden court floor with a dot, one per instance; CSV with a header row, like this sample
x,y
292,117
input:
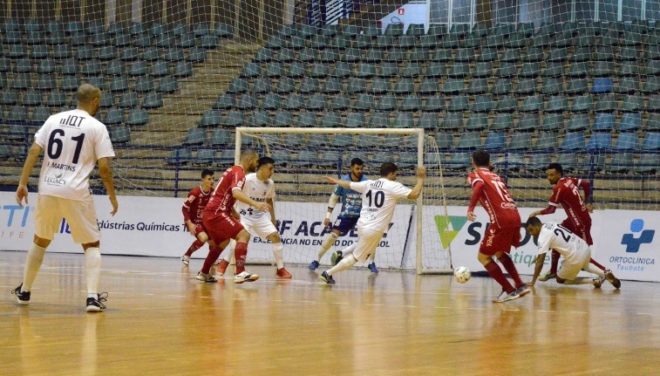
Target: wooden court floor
x,y
161,321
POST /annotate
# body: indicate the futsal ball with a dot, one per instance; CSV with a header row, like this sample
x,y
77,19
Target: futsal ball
x,y
462,274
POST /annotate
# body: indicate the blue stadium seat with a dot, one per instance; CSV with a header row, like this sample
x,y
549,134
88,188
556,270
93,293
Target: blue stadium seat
x,y
627,141
651,141
180,156
573,141
599,141
495,141
604,122
630,122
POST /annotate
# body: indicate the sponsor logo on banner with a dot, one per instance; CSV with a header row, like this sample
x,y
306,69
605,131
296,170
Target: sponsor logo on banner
x,y
634,259
639,236
449,227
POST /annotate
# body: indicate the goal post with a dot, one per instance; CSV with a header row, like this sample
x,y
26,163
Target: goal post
x,y
304,155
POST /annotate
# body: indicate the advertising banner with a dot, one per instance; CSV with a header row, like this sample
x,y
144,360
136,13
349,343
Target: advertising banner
x,y
153,226
624,241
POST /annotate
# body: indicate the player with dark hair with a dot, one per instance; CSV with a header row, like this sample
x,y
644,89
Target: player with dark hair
x,y
576,252
221,225
260,187
379,198
351,204
74,142
192,209
565,192
504,230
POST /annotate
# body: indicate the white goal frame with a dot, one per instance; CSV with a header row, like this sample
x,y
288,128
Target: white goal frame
x,y
417,132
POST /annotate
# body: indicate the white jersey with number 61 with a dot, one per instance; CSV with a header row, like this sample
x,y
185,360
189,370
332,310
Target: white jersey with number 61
x,y
72,141
379,198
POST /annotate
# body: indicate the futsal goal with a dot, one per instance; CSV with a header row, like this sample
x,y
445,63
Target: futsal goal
x,y
304,155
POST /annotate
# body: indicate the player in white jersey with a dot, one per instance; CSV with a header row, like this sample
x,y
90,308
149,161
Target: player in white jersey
x,y
379,198
575,251
260,187
74,142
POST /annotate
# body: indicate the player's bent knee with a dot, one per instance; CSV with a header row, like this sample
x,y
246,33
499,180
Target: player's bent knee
x,y
243,236
274,237
202,237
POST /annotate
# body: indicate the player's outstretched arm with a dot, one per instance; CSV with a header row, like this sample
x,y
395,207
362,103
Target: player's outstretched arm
x,y
105,171
538,267
417,189
242,197
30,160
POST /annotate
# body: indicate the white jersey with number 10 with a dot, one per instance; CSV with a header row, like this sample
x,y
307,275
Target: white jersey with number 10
x,y
379,198
72,141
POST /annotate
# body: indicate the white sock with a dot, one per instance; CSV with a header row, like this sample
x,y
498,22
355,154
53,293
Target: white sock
x,y
277,252
594,270
372,258
327,243
344,264
35,257
93,270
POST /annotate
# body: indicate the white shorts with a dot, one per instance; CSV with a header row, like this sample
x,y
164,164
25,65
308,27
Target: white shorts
x,y
570,268
367,243
261,227
79,214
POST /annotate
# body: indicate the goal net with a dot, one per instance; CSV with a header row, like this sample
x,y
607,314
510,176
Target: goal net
x,y
304,155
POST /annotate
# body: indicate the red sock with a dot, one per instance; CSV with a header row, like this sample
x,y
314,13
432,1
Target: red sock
x,y
240,254
554,262
494,270
511,269
214,253
193,247
597,264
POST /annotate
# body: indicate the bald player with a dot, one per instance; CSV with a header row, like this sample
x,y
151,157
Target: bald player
x,y
74,143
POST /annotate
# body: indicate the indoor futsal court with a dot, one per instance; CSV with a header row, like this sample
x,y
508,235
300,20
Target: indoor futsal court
x,y
160,321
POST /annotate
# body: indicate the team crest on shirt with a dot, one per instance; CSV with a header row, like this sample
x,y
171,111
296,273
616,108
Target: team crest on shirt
x,y
55,180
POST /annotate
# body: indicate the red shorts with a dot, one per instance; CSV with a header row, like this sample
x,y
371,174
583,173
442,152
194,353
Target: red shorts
x,y
221,228
199,229
583,230
498,239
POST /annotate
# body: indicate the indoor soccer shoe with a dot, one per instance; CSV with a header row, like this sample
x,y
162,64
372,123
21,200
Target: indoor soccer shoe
x,y
523,290
373,267
97,304
505,297
327,278
185,260
598,282
206,278
612,279
336,257
283,274
313,265
547,276
22,297
245,277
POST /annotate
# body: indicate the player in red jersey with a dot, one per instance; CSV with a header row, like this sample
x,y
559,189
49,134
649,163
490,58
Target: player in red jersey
x,y
566,192
192,209
221,222
504,230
